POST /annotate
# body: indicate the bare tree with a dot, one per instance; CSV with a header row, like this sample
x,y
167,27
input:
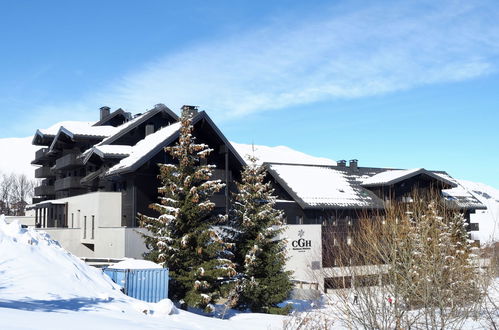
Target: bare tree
x,y
15,192
414,267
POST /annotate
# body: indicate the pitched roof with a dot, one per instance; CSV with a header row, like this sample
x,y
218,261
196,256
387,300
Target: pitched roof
x,y
98,132
391,177
130,125
107,151
154,143
315,186
337,187
146,148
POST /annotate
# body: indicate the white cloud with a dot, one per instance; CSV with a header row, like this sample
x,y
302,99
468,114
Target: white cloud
x,y
347,53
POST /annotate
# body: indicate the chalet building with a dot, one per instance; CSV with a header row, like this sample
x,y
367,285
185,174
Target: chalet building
x,y
97,177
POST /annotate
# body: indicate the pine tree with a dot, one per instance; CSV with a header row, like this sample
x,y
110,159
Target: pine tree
x,y
260,254
184,237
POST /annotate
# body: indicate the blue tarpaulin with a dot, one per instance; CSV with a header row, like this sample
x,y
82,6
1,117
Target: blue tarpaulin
x,y
150,285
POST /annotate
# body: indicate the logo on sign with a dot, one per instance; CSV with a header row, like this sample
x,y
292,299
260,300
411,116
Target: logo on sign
x,y
301,244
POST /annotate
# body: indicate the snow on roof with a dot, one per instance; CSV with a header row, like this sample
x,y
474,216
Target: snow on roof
x,y
100,131
279,154
319,186
112,150
143,147
69,125
135,264
393,176
459,195
390,176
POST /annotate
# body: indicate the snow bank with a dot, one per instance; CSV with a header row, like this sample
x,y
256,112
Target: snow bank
x,y
34,266
42,286
135,264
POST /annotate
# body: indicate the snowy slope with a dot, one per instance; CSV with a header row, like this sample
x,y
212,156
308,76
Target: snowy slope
x,y
42,286
21,153
279,154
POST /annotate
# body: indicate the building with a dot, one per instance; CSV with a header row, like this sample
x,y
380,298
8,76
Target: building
x,y
96,178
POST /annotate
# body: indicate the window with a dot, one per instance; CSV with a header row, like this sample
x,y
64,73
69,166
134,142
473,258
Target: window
x,y
84,226
93,227
72,220
299,220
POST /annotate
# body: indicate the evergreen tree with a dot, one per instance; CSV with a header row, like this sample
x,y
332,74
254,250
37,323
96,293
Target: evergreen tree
x,y
184,237
260,254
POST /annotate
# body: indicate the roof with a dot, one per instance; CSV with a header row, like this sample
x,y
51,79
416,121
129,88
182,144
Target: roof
x,y
391,177
341,187
315,186
459,196
98,132
130,125
118,112
152,144
108,151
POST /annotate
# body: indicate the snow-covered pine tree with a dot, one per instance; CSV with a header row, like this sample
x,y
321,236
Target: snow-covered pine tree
x,y
260,254
184,237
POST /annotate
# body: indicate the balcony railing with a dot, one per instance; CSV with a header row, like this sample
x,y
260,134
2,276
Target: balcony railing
x,y
68,161
44,190
43,172
70,182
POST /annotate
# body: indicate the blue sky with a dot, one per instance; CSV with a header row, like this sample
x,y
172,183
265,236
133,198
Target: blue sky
x,y
392,83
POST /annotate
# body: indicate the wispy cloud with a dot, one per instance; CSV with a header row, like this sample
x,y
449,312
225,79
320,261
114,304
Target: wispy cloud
x,y
347,53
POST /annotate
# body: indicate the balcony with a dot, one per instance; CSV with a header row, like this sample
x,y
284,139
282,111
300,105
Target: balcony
x,y
70,182
44,190
68,161
43,172
41,156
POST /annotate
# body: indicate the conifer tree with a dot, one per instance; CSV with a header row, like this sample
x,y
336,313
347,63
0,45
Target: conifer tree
x,y
260,254
184,237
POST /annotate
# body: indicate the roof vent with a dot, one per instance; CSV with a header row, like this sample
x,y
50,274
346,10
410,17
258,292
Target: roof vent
x,y
191,110
342,163
353,164
104,112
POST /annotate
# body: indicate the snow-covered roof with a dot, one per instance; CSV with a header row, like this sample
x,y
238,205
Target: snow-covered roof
x,y
135,264
105,151
323,186
124,128
459,196
391,177
69,125
279,154
149,145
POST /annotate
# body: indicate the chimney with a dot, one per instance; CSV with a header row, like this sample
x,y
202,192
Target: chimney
x,y
104,112
160,106
353,164
189,110
149,129
342,163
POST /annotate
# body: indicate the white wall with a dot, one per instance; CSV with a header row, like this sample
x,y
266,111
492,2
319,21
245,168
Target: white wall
x,y
304,246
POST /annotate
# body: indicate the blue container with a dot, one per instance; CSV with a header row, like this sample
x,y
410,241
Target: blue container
x,y
150,285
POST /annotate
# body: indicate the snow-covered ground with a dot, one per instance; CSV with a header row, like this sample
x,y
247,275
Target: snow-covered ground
x,y
42,286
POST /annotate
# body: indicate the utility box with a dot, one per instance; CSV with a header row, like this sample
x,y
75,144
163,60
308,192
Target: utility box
x,y
149,285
